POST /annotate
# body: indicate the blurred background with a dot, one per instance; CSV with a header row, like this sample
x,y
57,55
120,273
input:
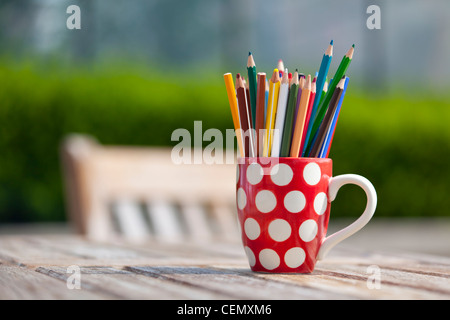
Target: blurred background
x,y
137,70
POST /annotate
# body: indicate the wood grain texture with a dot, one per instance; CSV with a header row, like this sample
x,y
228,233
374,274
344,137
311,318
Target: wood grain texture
x,y
35,267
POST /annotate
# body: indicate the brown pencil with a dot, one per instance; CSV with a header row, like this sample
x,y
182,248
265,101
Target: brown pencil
x,y
244,116
324,126
259,120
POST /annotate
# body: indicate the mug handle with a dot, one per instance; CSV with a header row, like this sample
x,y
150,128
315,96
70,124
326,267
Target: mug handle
x,y
333,187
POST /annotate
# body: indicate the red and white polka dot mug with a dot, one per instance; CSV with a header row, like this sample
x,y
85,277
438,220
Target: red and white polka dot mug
x,y
284,208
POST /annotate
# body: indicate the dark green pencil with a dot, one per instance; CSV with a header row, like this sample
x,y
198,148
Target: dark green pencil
x,y
251,70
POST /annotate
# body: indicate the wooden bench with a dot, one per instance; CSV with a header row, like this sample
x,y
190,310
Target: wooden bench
x,y
138,193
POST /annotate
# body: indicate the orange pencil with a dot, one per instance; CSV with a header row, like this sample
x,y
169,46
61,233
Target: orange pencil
x,y
301,116
312,95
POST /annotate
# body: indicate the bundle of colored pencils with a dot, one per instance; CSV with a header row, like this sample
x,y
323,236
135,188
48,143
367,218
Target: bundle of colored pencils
x,y
287,115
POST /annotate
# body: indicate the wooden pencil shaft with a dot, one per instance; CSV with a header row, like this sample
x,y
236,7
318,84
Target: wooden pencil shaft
x,y
330,133
300,121
315,150
242,104
251,72
259,118
321,78
245,117
289,120
249,107
274,86
231,93
299,95
320,82
307,119
280,115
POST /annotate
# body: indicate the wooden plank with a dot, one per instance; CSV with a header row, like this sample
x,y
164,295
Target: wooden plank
x,y
130,219
22,283
406,261
226,220
165,223
26,250
122,284
407,284
235,283
196,220
68,250
212,270
63,250
342,282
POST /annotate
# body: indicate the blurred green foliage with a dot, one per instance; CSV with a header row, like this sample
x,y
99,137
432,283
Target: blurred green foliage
x,y
399,142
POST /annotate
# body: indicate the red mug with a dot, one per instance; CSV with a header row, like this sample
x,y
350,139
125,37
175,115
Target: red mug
x,y
284,208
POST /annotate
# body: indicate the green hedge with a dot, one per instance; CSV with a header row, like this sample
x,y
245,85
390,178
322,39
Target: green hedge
x,y
401,144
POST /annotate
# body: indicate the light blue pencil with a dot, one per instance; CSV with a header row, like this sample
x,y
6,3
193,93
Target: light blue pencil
x,y
267,99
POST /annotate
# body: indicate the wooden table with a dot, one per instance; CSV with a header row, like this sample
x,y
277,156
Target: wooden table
x,y
39,267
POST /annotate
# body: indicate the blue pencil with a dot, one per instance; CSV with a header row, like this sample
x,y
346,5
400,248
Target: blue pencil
x,y
323,72
327,143
267,99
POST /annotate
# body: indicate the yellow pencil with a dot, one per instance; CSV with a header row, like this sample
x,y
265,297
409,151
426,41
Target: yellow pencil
x,y
272,102
231,92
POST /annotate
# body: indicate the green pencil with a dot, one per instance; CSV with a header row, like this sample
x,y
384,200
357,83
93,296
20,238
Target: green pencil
x,y
323,106
251,69
289,119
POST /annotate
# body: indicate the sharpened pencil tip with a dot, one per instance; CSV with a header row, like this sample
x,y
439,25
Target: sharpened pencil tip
x,y
249,53
331,42
353,45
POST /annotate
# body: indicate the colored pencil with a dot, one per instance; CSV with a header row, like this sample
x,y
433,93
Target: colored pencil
x,y
326,123
247,95
301,84
323,106
245,116
324,91
301,116
259,119
280,66
280,116
289,119
251,71
325,151
308,115
231,92
267,99
321,78
274,87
